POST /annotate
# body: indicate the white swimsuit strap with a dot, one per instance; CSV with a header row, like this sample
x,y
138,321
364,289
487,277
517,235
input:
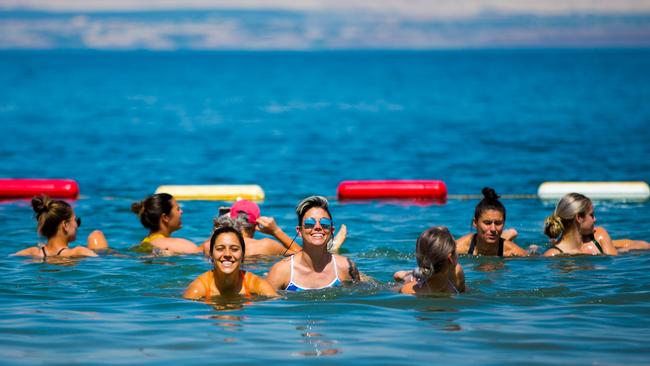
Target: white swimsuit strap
x,y
291,278
336,269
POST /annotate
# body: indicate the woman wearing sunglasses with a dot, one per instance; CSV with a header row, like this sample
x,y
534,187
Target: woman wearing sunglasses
x,y
314,267
247,219
161,214
58,223
227,250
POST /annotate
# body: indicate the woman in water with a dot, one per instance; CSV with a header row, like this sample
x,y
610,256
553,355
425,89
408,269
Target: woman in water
x,y
161,214
246,215
489,239
58,223
227,250
572,230
438,269
314,267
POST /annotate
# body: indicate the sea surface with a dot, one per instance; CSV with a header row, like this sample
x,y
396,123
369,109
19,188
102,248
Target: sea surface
x,y
299,123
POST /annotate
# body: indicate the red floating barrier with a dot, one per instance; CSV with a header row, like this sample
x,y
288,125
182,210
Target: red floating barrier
x,y
27,188
392,189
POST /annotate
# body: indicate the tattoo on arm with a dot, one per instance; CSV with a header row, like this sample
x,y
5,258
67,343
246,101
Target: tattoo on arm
x,y
353,271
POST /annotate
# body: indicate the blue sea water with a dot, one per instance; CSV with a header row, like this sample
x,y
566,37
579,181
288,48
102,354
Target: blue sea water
x,y
123,123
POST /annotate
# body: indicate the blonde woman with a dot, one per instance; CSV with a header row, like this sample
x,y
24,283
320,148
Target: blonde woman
x,y
571,229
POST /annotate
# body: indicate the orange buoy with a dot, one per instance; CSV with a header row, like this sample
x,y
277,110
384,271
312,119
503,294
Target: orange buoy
x,y
392,189
27,188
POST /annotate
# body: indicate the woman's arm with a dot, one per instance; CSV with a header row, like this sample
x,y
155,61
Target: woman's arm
x,y
268,226
79,251
462,244
97,241
29,252
279,274
603,238
512,249
176,246
263,287
460,278
196,290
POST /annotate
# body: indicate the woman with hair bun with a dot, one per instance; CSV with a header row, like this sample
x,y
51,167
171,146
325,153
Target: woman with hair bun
x,y
490,238
438,270
58,223
161,214
572,230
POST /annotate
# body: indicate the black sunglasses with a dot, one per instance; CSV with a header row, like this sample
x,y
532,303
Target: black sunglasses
x,y
78,220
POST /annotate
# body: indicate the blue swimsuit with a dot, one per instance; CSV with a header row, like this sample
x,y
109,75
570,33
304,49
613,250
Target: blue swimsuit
x,y
292,286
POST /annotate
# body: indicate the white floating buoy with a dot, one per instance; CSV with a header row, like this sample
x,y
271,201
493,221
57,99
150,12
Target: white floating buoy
x,y
635,191
222,192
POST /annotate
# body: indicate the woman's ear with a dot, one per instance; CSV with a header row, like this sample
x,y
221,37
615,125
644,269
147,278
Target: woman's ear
x,y
298,231
474,223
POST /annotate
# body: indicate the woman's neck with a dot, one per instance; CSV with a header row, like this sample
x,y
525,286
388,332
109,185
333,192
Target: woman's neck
x,y
227,283
164,231
57,242
315,257
438,282
485,248
571,240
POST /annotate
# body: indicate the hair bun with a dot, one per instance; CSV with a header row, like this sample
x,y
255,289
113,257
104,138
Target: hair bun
x,y
490,194
553,226
40,204
137,207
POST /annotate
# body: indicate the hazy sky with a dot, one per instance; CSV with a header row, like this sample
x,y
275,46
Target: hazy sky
x,y
421,8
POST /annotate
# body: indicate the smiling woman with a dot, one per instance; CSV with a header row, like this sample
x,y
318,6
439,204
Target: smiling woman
x,y
314,267
227,250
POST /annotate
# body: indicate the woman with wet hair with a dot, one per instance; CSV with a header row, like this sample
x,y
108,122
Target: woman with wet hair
x,y
227,278
58,223
490,239
438,270
161,215
572,230
314,267
248,220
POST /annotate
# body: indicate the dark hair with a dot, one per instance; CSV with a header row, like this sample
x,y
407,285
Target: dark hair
x,y
227,229
50,213
152,208
309,203
490,201
431,250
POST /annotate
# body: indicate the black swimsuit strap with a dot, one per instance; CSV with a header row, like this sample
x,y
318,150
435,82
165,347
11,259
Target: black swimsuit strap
x,y
501,245
598,246
557,248
472,245
57,253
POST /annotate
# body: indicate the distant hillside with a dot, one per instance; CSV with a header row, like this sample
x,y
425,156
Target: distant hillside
x,y
314,30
